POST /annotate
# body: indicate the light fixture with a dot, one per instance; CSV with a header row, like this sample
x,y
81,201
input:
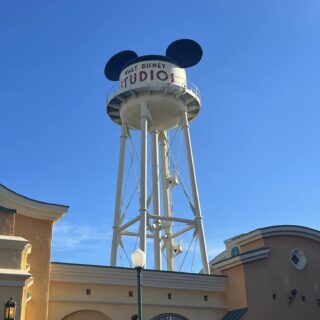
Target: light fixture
x,y
139,260
10,309
293,295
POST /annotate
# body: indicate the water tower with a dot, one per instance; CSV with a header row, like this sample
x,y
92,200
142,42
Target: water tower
x,y
153,96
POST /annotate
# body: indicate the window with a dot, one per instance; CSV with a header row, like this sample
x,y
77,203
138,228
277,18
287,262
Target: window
x,y
298,259
235,251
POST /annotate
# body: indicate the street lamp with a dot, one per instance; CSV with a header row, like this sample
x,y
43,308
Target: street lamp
x,y
10,309
139,260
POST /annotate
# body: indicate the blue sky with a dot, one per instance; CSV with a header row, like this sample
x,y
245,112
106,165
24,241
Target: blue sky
x,y
256,141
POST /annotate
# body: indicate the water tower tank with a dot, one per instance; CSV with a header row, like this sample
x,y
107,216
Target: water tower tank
x,y
159,81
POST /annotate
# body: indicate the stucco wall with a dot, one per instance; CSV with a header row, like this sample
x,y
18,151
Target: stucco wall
x,y
123,312
11,259
236,288
39,233
6,223
114,301
259,243
276,275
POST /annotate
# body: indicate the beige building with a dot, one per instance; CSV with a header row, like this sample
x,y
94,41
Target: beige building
x,y
270,273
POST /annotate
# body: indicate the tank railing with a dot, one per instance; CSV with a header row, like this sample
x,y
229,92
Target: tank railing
x,y
148,83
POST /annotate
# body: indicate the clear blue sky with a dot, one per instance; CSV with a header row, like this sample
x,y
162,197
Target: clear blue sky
x,y
256,141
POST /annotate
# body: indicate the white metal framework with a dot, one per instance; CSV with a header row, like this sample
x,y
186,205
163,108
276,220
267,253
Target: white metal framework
x,y
161,228
153,107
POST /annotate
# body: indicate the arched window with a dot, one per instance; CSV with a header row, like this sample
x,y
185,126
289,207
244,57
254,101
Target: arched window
x,y
169,316
85,315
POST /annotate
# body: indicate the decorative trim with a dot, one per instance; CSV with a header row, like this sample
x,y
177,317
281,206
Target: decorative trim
x,y
125,276
28,248
283,230
7,210
12,242
30,207
14,278
243,258
161,303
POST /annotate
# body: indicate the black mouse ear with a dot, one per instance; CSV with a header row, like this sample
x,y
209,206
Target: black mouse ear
x,y
116,63
186,52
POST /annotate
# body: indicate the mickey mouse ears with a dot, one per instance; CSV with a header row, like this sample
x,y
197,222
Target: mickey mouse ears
x,y
184,52
115,64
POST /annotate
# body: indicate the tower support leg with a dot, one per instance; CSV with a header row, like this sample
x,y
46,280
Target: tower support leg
x,y
166,199
156,199
143,176
117,210
195,194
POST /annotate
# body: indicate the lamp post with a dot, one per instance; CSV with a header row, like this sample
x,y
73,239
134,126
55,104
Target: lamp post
x,y
10,309
138,260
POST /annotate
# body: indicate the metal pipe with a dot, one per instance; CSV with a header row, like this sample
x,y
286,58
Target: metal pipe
x,y
143,175
117,210
139,269
129,223
166,198
188,221
134,234
195,194
156,200
178,233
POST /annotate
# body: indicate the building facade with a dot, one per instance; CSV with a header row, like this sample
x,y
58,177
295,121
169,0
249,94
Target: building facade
x,y
270,273
274,272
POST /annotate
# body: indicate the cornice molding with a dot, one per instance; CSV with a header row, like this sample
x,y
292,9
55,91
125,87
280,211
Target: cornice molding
x,y
15,278
30,207
13,242
7,210
285,230
127,277
243,258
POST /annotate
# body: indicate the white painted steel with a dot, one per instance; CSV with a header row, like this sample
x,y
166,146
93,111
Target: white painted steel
x,y
154,97
187,221
152,71
156,200
195,194
166,194
159,84
129,223
143,176
165,109
117,210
